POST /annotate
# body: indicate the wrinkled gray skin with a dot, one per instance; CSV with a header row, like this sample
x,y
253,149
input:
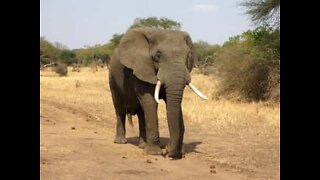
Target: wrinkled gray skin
x,y
144,56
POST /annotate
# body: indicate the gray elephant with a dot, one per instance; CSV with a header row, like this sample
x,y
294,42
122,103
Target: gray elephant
x,y
152,64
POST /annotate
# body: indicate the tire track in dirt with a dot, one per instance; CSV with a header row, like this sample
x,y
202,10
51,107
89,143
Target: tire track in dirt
x,y
68,108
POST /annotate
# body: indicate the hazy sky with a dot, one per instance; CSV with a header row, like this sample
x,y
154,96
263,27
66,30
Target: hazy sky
x,y
76,23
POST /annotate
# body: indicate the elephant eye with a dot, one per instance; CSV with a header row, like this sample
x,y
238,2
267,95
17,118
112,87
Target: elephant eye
x,y
157,56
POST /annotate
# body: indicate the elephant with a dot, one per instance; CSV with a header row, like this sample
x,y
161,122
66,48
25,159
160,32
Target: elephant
x,y
148,65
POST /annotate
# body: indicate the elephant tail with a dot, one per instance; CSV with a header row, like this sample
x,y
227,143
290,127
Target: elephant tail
x,y
129,116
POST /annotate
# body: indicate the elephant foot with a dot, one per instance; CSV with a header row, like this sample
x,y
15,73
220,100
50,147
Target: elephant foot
x,y
120,140
142,143
173,154
153,150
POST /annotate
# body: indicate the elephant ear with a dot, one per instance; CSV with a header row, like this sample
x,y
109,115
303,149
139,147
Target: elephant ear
x,y
133,53
191,55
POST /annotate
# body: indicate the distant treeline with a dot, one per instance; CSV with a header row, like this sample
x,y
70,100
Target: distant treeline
x,y
248,64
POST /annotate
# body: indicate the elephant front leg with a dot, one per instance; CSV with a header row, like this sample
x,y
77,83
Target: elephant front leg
x,y
152,128
174,149
142,130
120,128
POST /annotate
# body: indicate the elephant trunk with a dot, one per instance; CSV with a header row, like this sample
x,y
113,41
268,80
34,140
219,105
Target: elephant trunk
x,y
174,94
174,83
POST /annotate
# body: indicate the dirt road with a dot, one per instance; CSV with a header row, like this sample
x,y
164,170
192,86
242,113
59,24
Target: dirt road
x,y
75,146
223,139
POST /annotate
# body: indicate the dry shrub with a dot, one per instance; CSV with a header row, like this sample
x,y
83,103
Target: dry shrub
x,y
61,69
246,78
208,70
273,88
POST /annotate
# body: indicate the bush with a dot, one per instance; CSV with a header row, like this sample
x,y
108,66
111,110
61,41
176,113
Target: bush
x,y
249,65
61,69
67,56
207,70
205,56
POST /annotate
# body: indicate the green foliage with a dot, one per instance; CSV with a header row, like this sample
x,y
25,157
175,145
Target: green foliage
x,y
249,64
115,40
85,56
60,46
265,12
67,56
154,22
205,53
48,52
89,54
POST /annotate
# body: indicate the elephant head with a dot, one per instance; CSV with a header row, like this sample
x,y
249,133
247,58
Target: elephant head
x,y
162,57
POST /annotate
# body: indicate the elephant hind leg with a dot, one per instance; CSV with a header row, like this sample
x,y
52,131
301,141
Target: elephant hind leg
x,y
120,110
120,128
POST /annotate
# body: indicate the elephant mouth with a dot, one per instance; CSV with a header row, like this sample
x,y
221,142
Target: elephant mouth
x,y
190,85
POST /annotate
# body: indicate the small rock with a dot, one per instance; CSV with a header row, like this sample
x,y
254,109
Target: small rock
x,y
123,157
96,132
156,159
213,171
73,128
148,161
161,169
54,123
212,166
48,120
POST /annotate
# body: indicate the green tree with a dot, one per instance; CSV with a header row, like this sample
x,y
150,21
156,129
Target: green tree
x,y
263,11
154,22
205,53
48,52
67,56
60,46
85,55
249,65
89,54
115,40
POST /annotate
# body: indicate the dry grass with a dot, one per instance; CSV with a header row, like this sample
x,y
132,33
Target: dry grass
x,y
86,91
223,114
242,135
91,91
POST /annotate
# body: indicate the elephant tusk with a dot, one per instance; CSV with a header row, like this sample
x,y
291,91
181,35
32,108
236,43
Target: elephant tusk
x,y
194,89
156,92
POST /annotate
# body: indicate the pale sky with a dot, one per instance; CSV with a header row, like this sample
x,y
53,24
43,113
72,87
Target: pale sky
x,y
76,23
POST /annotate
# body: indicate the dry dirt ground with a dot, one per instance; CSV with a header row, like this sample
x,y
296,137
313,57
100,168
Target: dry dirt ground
x,y
223,140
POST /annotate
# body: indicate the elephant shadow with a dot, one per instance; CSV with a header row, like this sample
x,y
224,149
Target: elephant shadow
x,y
187,147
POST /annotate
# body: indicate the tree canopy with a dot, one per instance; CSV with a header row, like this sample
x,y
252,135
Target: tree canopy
x,y
154,22
205,53
263,12
67,56
115,40
48,52
249,64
